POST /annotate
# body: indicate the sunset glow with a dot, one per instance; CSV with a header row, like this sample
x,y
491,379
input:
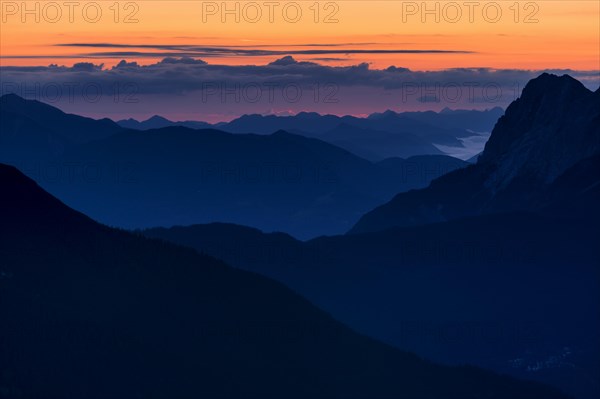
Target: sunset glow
x,y
506,34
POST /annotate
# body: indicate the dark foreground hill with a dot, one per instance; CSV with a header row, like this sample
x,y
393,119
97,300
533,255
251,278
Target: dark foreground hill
x,y
157,122
517,293
92,312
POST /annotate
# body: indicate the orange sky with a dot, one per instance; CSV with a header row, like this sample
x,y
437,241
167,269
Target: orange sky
x,y
543,34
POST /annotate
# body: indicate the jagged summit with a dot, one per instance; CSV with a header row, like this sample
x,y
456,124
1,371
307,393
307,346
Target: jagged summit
x,y
552,127
544,132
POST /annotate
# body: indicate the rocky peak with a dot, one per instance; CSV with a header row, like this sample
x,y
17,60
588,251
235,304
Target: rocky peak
x,y
545,131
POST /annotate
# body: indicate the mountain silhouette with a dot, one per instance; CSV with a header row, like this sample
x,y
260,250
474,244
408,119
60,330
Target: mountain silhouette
x,y
375,145
513,292
552,127
89,311
495,264
33,132
276,182
474,120
74,128
157,122
380,135
176,175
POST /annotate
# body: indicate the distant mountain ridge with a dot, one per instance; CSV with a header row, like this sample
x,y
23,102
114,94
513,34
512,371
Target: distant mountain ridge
x,y
475,120
75,128
177,175
552,127
279,182
374,145
376,137
157,122
33,130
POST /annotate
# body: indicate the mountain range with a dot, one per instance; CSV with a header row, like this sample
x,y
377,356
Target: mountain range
x,y
177,175
493,264
484,267
90,311
157,122
376,137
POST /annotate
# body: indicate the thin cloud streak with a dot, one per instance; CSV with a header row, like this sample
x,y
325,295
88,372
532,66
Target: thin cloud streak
x,y
245,51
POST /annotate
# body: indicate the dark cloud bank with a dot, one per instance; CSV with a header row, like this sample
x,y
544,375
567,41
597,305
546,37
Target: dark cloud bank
x,y
187,87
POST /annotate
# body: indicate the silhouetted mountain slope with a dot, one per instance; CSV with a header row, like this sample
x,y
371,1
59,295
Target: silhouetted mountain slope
x,y
22,139
89,311
517,293
441,125
176,175
74,128
474,158
414,170
312,122
32,133
240,245
399,123
278,182
576,193
157,122
514,291
422,166
477,121
267,124
379,136
553,126
375,145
